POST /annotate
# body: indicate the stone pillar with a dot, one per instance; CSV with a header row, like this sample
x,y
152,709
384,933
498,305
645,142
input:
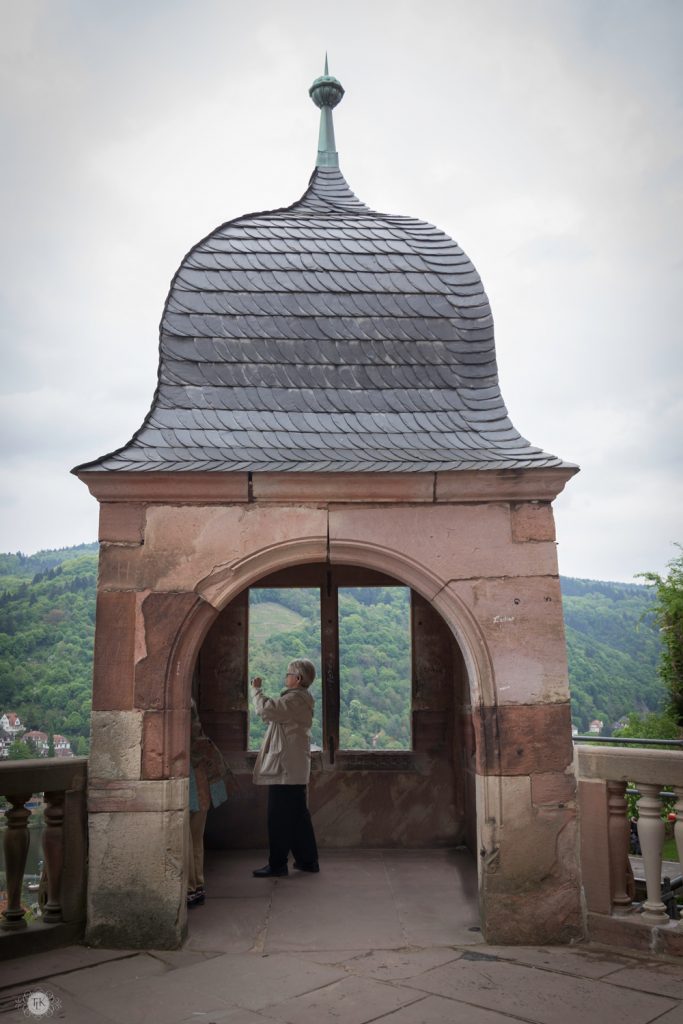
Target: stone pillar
x,y
618,838
527,821
138,773
651,835
501,598
596,862
530,890
154,555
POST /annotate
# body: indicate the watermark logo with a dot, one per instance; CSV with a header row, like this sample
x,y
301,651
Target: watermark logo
x,y
38,1003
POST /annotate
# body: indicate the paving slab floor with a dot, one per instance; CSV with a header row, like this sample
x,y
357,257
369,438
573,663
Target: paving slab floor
x,y
379,935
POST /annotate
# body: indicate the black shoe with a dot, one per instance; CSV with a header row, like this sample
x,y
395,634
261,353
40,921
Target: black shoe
x,y
268,872
194,898
313,868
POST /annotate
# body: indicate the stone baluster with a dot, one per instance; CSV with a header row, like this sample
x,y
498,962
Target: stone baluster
x,y
618,838
678,831
651,834
53,850
16,850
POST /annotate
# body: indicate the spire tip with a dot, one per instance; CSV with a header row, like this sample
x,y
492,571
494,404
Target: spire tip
x,y
326,92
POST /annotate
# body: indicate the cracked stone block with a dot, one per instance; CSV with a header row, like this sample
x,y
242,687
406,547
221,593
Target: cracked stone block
x,y
115,745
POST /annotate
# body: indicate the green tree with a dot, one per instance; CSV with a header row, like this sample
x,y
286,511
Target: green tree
x,y
668,610
74,722
651,725
19,751
356,715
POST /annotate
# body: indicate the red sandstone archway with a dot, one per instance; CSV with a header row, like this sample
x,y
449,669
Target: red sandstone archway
x,y
217,590
159,596
223,584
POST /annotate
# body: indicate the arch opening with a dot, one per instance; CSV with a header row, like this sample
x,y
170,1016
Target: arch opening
x,y
421,797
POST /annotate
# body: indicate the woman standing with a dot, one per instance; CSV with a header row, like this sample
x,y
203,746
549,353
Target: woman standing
x,y
208,775
284,765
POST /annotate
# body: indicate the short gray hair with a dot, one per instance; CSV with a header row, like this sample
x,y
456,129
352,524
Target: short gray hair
x,y
304,669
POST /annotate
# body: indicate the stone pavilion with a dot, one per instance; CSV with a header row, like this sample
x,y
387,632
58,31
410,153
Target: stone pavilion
x,y
327,414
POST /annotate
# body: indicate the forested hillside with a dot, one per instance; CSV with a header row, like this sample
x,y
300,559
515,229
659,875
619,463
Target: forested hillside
x,y
374,662
47,622
47,612
613,648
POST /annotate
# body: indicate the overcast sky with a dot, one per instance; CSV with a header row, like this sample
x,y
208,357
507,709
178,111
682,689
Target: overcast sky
x,y
546,137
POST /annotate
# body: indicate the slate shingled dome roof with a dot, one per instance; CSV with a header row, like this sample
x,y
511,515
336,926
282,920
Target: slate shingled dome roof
x,y
326,337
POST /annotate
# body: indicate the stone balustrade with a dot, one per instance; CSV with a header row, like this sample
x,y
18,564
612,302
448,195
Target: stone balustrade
x,y
603,775
62,781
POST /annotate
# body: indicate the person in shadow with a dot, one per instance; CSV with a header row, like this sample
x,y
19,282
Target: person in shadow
x,y
284,765
208,775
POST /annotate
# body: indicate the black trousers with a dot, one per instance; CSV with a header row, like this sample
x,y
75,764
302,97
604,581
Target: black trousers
x,y
290,827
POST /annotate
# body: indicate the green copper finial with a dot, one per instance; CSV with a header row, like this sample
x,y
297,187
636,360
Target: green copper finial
x,y
326,92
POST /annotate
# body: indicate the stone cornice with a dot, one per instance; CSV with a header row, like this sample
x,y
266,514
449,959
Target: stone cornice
x,y
195,488
538,484
203,488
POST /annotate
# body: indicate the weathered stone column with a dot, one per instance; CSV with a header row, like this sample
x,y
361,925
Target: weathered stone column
x,y
150,624
138,767
530,886
501,597
526,816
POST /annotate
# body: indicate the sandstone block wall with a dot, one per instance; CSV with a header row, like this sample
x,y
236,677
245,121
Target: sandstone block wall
x,y
487,563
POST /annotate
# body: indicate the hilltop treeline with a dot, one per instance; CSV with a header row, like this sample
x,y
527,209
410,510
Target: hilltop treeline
x,y
47,616
17,567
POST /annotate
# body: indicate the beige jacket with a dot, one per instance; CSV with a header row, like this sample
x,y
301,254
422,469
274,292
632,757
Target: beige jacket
x,y
285,755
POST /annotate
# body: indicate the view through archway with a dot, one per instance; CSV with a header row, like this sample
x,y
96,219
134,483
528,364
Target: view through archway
x,y
394,764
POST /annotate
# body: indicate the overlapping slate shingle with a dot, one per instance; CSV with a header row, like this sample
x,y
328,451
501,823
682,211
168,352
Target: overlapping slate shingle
x,y
326,337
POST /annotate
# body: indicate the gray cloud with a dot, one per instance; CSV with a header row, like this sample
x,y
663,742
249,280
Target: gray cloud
x,y
546,138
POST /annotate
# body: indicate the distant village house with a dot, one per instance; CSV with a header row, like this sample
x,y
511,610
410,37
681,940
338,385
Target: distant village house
x,y
39,740
10,726
11,729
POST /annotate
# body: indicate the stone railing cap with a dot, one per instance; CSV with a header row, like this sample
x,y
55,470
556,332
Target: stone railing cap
x,y
38,775
654,767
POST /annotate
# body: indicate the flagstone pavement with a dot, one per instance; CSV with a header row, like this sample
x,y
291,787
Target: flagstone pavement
x,y
378,935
